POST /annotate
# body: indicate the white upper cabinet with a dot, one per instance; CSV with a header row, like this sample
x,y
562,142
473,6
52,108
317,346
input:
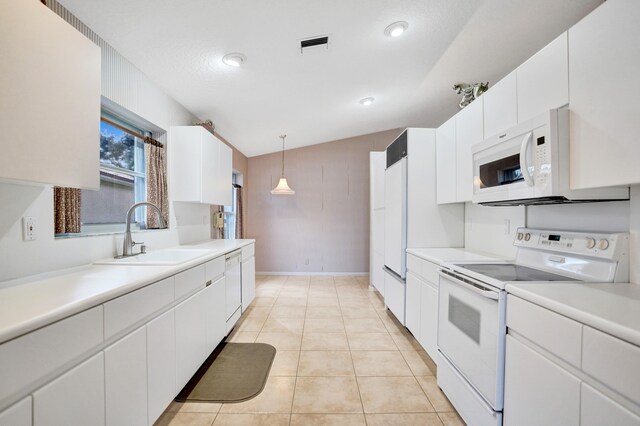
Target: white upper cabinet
x,y
446,162
500,106
201,166
50,102
604,63
543,81
469,131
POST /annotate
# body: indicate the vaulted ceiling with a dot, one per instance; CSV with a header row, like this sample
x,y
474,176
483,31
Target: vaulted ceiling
x,y
315,97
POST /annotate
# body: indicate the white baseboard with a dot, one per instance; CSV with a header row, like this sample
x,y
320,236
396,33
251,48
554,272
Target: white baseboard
x,y
340,274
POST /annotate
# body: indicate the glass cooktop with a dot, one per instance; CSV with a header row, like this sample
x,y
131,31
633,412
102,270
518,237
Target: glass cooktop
x,y
510,272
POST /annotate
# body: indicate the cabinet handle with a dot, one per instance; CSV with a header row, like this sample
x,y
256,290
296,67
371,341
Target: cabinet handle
x,y
208,283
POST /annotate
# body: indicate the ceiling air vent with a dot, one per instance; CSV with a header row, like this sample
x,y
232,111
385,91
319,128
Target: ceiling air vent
x,y
314,45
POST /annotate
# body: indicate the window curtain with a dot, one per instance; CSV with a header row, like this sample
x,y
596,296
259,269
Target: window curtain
x,y
239,211
156,183
66,207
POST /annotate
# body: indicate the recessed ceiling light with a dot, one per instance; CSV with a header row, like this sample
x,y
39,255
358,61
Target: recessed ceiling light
x,y
396,29
234,59
367,101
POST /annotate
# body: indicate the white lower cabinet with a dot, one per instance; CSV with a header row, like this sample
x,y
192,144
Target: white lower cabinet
x,y
126,380
75,398
191,337
413,305
19,414
215,314
161,364
429,319
248,282
538,391
596,409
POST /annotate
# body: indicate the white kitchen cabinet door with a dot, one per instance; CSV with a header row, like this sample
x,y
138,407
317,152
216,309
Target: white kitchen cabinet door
x,y
469,131
125,365
596,409
413,305
248,282
500,106
215,317
161,364
224,186
191,337
210,171
200,166
377,274
429,319
446,162
19,414
537,391
543,81
60,106
604,61
77,398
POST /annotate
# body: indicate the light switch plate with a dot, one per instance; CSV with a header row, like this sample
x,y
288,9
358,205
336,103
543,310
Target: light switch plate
x,y
28,228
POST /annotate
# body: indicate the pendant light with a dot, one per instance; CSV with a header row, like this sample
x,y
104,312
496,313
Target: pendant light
x,y
283,186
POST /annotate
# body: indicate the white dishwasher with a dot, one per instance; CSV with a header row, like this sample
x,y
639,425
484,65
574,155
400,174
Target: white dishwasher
x,y
233,284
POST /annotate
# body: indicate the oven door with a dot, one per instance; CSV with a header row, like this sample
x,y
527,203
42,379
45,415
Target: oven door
x,y
471,333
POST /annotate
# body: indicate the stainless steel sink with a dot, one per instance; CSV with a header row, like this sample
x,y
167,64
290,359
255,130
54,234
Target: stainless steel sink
x,y
158,257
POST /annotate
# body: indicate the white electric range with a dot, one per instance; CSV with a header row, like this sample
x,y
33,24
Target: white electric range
x,y
472,308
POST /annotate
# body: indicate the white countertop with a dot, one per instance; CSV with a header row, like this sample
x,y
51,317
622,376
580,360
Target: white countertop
x,y
440,255
34,302
611,308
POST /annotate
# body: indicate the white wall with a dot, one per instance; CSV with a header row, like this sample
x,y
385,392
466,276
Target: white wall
x,y
125,85
491,229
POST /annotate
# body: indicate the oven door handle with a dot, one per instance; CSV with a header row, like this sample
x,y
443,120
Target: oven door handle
x,y
470,285
524,167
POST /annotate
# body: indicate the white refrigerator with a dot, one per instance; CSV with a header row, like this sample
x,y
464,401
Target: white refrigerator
x,y
413,217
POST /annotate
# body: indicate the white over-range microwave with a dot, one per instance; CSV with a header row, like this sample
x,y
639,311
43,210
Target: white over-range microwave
x,y
529,164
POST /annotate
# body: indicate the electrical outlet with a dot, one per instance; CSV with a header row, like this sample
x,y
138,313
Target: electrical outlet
x,y
306,261
28,228
507,227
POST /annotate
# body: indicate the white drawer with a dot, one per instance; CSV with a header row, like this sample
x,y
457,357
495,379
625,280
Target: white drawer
x,y
613,362
248,251
214,269
30,358
597,409
426,270
559,335
127,310
189,281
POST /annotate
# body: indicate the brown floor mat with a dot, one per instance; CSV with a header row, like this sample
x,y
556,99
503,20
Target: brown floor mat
x,y
235,372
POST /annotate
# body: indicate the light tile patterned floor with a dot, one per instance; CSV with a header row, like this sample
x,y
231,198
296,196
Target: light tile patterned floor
x,y
342,360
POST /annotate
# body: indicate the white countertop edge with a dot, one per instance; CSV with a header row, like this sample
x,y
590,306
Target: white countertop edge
x,y
432,254
595,321
64,311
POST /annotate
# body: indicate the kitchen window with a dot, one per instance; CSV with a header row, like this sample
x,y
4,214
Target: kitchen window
x,y
123,181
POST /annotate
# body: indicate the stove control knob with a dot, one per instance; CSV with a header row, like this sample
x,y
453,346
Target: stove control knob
x,y
520,236
603,244
527,236
591,243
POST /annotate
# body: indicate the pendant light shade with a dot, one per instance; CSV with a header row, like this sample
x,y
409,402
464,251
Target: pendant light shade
x,y
283,187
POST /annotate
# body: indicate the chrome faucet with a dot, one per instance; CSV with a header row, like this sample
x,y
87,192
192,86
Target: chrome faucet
x,y
127,246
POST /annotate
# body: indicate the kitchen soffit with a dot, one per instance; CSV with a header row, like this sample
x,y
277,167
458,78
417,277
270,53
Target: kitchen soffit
x,y
180,46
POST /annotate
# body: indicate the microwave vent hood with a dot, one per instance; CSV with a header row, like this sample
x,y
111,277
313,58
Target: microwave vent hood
x,y
543,201
528,165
